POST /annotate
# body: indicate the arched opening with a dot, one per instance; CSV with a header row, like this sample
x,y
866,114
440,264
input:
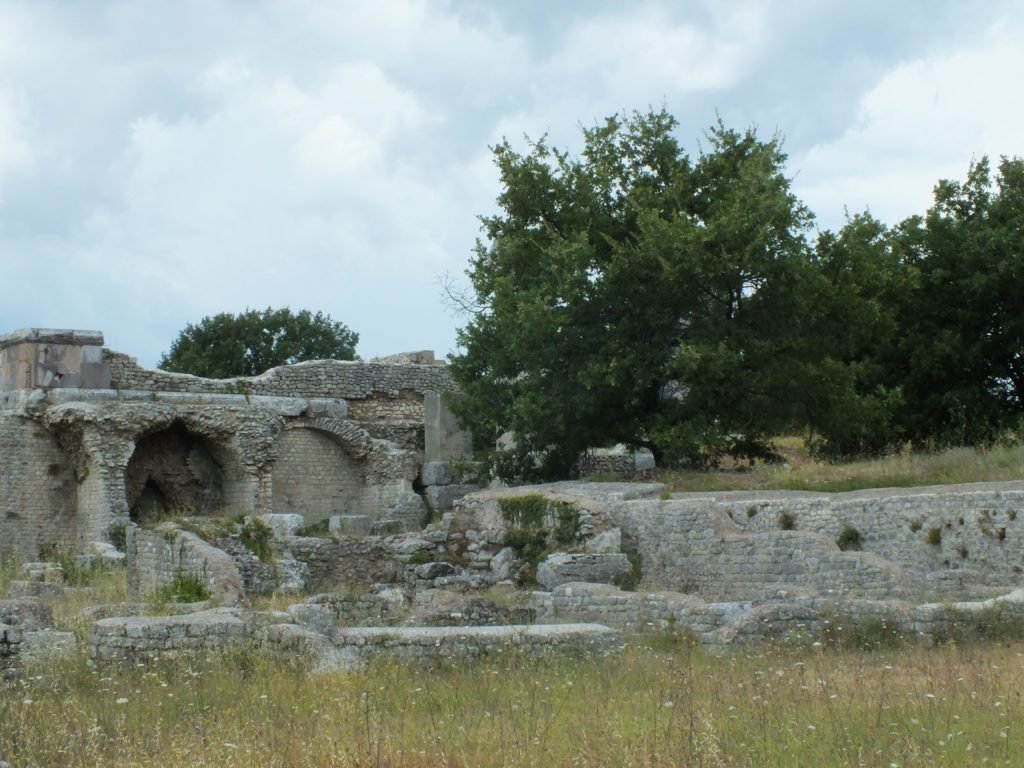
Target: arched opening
x,y
315,477
174,471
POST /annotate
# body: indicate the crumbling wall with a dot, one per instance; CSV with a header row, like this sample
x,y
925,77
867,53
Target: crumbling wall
x,y
38,492
159,557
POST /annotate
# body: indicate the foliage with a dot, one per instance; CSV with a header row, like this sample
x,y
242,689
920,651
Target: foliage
x,y
536,526
184,589
848,539
255,535
934,536
666,285
786,521
251,342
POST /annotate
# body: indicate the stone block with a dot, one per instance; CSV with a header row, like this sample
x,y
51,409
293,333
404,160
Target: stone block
x,y
436,473
349,525
502,564
282,525
608,541
562,568
386,528
431,571
443,497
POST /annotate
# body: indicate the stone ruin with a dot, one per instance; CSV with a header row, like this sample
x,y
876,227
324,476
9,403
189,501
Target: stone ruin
x,y
359,480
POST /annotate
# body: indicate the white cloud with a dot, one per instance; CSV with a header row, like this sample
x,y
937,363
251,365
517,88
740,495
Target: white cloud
x,y
924,120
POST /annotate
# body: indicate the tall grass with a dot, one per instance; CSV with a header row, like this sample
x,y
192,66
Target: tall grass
x,y
951,706
800,471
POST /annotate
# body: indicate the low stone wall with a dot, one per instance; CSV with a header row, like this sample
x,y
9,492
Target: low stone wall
x,y
143,638
445,644
158,557
797,619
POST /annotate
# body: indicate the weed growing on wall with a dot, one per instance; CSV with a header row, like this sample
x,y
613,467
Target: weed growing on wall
x,y
255,535
786,521
184,589
934,536
536,526
849,539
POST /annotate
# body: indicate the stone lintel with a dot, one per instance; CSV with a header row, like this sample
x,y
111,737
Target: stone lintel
x,y
52,336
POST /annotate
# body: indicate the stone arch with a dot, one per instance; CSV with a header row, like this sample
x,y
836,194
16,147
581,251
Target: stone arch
x,y
317,474
176,470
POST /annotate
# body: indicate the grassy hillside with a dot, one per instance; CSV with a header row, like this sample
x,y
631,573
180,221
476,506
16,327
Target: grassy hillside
x,y
800,471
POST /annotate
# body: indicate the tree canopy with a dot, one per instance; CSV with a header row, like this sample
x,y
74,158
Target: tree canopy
x,y
251,342
636,294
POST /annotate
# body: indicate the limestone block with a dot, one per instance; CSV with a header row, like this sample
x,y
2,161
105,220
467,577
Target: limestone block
x,y
503,563
386,528
291,575
443,497
324,408
436,473
605,542
410,545
349,525
562,567
431,571
282,525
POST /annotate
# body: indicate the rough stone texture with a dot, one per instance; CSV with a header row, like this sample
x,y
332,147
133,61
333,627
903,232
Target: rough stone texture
x,y
83,449
141,638
619,460
436,473
158,557
282,525
563,567
349,525
448,644
793,618
344,561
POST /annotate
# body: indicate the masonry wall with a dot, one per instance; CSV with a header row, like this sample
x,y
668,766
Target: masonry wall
x,y
158,557
974,530
344,562
37,490
315,477
349,380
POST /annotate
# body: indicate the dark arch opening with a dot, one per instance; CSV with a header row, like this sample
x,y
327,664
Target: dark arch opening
x,y
173,471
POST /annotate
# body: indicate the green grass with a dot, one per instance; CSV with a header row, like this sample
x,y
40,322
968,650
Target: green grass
x,y
802,472
667,705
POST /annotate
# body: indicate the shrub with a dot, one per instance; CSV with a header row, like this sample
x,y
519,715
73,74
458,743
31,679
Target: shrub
x,y
934,536
529,534
786,521
915,525
255,535
849,539
184,589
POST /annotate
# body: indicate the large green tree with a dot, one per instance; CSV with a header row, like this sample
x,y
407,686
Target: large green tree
x,y
964,333
635,294
251,342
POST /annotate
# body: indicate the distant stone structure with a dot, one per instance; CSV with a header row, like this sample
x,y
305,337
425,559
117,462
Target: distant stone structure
x,y
90,441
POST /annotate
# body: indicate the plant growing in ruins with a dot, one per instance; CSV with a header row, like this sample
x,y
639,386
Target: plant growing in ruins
x,y
255,535
531,535
184,589
786,521
848,539
934,536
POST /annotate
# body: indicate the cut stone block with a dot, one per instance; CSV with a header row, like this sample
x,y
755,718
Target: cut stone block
x,y
349,525
561,568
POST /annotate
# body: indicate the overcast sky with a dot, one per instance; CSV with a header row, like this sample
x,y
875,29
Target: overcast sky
x,y
164,161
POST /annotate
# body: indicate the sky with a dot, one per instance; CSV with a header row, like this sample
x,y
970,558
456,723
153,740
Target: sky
x,y
161,162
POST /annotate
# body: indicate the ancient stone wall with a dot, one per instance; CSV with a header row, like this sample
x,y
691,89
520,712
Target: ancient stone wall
x,y
345,561
159,557
348,380
38,492
314,477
